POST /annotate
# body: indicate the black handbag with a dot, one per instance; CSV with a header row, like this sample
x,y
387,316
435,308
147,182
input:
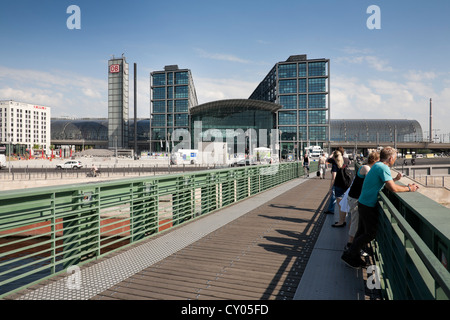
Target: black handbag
x,y
343,178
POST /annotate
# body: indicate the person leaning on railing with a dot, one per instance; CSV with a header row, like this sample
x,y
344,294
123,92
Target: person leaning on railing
x,y
378,177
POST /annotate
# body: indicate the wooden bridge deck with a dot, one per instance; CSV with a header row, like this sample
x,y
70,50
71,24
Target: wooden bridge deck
x,y
259,253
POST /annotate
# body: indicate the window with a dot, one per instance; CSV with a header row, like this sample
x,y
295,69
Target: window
x,y
181,92
317,85
317,101
181,120
288,86
301,85
158,134
288,133
287,117
302,69
159,79
169,92
302,133
287,70
159,93
302,117
181,106
288,102
316,69
181,78
158,120
317,117
317,133
302,101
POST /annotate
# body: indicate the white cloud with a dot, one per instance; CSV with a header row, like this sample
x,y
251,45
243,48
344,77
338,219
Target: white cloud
x,y
357,98
371,61
221,56
378,64
415,75
209,89
66,93
91,93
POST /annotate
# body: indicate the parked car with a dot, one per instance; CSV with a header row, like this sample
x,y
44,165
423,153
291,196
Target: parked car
x,y
69,165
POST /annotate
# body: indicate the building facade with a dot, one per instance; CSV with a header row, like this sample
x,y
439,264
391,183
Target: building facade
x,y
242,123
24,127
380,131
172,96
302,87
241,114
118,103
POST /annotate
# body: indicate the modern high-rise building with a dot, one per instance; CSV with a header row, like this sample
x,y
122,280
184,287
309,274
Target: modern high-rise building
x,y
302,87
24,127
173,95
118,106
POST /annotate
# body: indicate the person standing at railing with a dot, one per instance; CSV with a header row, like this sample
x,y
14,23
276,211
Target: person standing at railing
x,y
349,202
336,165
378,177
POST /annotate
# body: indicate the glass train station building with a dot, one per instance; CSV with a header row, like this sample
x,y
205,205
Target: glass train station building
x,y
294,97
93,133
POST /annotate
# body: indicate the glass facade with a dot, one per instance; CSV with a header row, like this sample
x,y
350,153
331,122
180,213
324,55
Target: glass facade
x,y
240,115
173,94
300,86
118,103
236,116
88,130
381,131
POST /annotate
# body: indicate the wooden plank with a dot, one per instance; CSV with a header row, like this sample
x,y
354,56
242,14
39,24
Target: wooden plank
x,y
260,255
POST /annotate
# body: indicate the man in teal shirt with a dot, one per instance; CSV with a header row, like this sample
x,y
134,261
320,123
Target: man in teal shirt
x,y
378,177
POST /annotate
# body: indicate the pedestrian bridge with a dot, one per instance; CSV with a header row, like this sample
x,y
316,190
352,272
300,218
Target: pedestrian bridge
x,y
249,233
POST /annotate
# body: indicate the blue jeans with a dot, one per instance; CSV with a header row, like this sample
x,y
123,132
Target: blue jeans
x,y
336,192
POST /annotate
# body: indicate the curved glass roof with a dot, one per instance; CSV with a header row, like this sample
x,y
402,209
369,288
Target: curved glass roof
x,y
95,129
232,104
381,130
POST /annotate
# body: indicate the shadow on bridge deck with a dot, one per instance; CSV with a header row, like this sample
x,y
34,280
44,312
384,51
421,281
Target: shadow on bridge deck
x,y
276,245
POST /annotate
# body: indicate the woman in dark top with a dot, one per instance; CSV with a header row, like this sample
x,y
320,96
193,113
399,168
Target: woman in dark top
x,y
349,204
337,161
306,164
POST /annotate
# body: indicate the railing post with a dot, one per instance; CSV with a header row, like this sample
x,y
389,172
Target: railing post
x,y
228,188
182,200
144,211
209,194
81,227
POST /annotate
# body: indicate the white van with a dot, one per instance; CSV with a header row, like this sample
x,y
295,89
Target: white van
x,y
2,161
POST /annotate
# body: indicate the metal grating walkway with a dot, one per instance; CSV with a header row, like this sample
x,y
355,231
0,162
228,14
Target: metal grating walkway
x,y
255,249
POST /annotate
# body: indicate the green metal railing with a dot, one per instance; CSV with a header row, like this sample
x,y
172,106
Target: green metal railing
x,y
44,231
412,247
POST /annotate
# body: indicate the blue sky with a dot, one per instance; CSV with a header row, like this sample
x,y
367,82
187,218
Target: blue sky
x,y
229,47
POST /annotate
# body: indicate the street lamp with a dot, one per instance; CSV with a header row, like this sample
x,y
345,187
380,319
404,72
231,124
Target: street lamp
x,y
281,132
9,152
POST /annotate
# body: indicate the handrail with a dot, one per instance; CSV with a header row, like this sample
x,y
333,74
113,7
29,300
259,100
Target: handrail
x,y
45,231
410,269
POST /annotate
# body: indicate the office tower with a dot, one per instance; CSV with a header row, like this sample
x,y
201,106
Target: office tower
x,y
302,87
173,95
118,103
